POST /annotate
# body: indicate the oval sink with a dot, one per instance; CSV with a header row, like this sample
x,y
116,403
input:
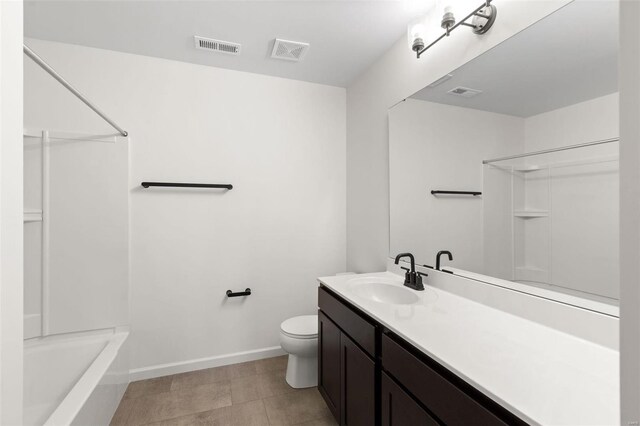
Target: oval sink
x,y
383,292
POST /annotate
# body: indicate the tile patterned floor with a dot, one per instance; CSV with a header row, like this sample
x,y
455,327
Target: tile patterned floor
x,y
247,394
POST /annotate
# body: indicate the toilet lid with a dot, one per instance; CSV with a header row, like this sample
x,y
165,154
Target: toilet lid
x,y
303,326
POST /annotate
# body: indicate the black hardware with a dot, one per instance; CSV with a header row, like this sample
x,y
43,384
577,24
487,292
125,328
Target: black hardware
x,y
474,193
247,292
410,256
412,279
424,274
440,253
188,185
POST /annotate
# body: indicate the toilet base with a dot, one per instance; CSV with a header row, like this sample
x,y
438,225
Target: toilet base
x,y
302,372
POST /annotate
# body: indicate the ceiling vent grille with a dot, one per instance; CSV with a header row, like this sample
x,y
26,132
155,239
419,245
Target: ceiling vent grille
x,y
289,50
464,92
217,45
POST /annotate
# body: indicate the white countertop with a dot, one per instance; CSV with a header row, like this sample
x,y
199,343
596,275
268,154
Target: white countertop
x,y
543,375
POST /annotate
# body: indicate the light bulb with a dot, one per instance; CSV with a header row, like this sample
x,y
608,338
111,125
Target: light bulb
x,y
448,18
444,6
416,33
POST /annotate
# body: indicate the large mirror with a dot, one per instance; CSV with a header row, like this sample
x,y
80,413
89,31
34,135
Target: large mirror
x,y
528,133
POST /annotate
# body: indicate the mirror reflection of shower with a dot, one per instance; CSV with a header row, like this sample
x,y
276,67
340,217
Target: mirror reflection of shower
x,y
563,207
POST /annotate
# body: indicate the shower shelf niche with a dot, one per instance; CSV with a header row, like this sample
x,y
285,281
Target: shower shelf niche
x,y
527,214
32,215
528,169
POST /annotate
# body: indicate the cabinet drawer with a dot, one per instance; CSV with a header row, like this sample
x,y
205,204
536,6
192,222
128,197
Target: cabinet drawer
x,y
359,329
451,404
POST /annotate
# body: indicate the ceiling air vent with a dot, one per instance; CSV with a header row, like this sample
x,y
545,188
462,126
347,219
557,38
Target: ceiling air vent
x,y
217,45
464,92
289,50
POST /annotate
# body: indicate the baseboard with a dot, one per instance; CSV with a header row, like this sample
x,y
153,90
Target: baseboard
x,y
202,363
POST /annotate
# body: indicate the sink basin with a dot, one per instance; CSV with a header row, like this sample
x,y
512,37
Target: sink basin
x,y
383,291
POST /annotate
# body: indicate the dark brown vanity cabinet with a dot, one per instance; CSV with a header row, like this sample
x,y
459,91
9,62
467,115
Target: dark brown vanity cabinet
x,y
329,382
447,397
358,385
346,371
398,408
369,376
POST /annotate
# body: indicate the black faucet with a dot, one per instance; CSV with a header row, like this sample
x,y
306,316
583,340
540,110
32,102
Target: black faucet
x,y
412,279
440,253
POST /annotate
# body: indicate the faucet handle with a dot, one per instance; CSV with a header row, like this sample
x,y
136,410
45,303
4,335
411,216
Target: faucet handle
x,y
407,275
418,281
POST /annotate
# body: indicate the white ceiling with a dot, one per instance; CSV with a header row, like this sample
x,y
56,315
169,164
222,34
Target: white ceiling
x,y
569,57
346,37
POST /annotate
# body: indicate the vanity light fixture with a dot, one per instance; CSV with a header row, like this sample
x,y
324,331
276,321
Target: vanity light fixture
x,y
482,20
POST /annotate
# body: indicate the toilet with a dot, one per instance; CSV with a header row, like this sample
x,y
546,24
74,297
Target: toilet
x,y
299,338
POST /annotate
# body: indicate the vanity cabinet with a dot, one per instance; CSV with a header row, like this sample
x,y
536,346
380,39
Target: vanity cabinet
x,y
329,354
447,397
346,370
357,377
370,376
399,408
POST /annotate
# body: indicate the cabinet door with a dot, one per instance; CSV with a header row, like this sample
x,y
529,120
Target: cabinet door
x,y
329,363
399,409
358,385
434,387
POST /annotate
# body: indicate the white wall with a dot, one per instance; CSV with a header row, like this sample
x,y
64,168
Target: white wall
x,y
587,121
281,143
437,146
11,274
630,212
395,76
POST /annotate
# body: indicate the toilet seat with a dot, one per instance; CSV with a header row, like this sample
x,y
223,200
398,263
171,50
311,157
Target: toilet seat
x,y
302,327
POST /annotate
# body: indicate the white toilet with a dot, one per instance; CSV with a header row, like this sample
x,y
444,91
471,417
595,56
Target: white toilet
x,y
299,338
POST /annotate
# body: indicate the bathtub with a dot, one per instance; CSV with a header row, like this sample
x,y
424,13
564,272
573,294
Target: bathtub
x,y
76,378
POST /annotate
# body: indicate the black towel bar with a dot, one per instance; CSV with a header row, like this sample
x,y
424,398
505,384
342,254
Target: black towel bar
x,y
188,185
247,292
474,193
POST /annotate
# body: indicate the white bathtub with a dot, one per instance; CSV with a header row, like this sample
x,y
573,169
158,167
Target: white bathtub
x,y
76,378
